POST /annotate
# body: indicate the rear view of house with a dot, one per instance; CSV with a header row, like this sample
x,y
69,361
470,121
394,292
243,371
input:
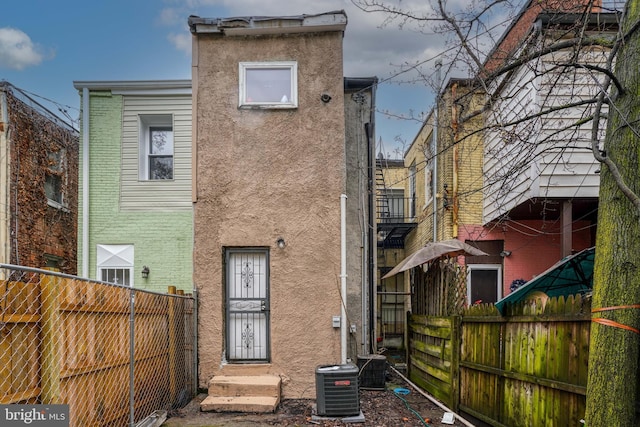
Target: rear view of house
x,y
38,184
135,221
271,177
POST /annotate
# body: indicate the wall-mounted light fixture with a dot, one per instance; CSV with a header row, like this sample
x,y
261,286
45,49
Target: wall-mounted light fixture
x,y
281,243
145,272
505,254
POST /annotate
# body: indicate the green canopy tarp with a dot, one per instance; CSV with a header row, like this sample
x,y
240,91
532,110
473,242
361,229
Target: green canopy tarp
x,y
571,275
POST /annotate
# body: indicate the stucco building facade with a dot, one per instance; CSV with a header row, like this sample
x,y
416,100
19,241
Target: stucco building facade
x,y
270,194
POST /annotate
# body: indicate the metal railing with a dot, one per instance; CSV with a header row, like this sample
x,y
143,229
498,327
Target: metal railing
x,y
113,354
390,209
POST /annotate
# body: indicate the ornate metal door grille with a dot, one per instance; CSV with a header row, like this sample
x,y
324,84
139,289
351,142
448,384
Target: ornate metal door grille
x,y
247,305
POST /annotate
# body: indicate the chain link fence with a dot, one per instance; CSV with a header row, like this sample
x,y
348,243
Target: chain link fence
x,y
114,354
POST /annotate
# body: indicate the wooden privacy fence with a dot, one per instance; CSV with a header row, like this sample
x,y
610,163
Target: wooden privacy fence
x,y
527,368
113,354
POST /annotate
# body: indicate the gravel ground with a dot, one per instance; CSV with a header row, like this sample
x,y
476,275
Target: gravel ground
x,y
381,408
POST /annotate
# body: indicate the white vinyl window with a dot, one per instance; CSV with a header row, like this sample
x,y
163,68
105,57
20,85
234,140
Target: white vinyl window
x,y
115,264
156,147
484,283
268,84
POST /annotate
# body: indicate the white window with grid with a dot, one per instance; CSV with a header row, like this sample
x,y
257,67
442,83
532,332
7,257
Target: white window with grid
x,y
115,264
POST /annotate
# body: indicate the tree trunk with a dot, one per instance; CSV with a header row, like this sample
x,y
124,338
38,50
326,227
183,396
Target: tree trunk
x,y
613,384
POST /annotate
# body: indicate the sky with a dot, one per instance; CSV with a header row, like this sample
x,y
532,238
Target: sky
x,y
46,45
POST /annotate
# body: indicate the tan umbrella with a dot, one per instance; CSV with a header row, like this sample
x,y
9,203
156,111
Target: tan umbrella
x,y
435,250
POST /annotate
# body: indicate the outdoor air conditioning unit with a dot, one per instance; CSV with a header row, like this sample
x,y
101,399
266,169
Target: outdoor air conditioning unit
x,y
337,391
373,371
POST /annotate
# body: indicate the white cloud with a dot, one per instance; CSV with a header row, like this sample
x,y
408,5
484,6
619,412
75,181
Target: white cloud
x,y
182,41
371,46
171,16
17,51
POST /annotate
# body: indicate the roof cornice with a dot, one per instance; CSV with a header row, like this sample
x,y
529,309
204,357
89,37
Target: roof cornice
x,y
268,25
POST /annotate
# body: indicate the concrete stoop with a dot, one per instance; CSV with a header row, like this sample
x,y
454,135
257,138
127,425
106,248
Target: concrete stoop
x,y
260,393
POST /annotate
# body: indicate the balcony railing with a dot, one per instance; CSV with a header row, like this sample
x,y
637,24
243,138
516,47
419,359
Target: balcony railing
x,y
394,220
394,209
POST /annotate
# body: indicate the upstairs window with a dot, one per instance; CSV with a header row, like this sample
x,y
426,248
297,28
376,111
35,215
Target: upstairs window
x,y
156,147
55,177
268,84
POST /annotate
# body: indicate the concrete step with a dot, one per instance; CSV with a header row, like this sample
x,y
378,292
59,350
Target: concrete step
x,y
243,393
245,385
239,404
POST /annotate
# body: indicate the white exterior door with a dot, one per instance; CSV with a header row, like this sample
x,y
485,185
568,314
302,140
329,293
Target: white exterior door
x,y
247,305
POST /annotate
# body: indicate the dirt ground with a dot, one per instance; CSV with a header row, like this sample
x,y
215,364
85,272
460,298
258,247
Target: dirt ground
x,y
381,408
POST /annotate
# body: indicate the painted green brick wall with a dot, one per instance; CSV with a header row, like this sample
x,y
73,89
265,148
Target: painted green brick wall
x,y
163,241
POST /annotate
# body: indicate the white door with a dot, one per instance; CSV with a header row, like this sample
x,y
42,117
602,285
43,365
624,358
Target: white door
x,y
247,305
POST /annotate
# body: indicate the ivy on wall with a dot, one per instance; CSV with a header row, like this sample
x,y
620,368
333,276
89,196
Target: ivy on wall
x,y
42,232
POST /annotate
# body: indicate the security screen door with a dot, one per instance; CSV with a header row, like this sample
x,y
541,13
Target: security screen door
x,y
247,305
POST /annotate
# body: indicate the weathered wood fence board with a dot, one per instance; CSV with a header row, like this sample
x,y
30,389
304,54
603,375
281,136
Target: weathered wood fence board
x,y
19,330
64,340
526,368
433,359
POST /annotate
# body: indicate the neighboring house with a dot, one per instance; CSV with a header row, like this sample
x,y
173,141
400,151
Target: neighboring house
x,y
444,166
359,151
135,210
526,194
395,219
38,184
280,137
540,196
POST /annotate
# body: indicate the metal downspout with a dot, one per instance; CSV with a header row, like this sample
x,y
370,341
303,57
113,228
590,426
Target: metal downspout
x,y
435,152
455,126
368,332
85,182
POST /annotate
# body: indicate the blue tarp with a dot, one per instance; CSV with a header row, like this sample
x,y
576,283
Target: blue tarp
x,y
571,275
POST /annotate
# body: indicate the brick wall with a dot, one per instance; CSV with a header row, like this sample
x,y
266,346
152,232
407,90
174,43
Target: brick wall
x,y
39,232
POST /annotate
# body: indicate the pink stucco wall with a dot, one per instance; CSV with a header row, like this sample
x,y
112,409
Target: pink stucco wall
x,y
534,245
265,174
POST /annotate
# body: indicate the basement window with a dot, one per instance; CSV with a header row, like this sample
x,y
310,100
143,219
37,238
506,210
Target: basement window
x,y
268,84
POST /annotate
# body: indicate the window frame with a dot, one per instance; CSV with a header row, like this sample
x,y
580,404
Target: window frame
x,y
492,267
147,123
412,191
429,149
243,94
57,169
115,257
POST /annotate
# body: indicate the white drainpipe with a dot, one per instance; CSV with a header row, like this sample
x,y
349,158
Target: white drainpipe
x,y
343,277
85,182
